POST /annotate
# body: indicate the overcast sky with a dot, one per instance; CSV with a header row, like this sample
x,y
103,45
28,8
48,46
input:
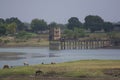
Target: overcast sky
x,y
60,10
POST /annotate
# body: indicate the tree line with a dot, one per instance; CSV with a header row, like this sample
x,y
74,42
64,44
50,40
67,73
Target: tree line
x,y
13,25
92,23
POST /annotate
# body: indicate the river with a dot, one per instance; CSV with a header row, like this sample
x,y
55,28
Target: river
x,y
37,55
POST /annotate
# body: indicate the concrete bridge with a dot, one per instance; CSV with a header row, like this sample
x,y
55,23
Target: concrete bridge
x,y
79,44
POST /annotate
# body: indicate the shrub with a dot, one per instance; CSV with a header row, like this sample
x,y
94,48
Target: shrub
x,y
6,41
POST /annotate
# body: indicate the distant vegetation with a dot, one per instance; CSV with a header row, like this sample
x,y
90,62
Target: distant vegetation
x,y
13,25
22,31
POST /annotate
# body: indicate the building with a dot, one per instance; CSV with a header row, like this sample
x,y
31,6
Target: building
x,y
54,33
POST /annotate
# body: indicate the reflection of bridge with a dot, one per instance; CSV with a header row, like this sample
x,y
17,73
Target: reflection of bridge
x,y
79,44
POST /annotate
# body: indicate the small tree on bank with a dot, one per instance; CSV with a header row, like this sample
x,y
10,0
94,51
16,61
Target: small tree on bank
x,y
74,34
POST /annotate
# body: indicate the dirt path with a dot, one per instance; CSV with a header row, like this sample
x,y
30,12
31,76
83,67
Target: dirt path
x,y
31,77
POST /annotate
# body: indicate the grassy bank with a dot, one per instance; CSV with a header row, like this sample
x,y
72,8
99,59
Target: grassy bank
x,y
83,68
41,40
28,40
28,43
33,43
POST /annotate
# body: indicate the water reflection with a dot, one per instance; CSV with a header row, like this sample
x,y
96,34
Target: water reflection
x,y
11,56
16,56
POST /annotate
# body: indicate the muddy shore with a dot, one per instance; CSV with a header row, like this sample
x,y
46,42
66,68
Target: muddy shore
x,y
11,56
37,45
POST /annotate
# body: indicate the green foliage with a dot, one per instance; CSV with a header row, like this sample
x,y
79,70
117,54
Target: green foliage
x,y
1,40
27,26
6,41
11,28
94,23
16,71
53,24
38,25
74,22
113,35
107,26
77,33
20,25
2,21
81,68
24,35
2,30
68,33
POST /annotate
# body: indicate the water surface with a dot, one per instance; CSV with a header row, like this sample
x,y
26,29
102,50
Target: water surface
x,y
37,55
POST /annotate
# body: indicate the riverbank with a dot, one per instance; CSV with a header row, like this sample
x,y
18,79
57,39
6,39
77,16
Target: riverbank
x,y
30,43
42,43
112,47
75,70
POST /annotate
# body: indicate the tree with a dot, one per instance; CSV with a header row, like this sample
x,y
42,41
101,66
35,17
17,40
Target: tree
x,y
79,33
94,23
2,30
38,25
74,34
62,26
2,27
52,24
68,34
11,28
74,22
108,26
27,26
23,35
20,25
2,21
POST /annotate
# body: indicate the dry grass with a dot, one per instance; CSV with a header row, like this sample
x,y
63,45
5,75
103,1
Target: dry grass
x,y
79,68
31,42
83,68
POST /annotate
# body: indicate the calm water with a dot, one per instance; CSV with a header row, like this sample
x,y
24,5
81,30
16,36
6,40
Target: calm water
x,y
34,55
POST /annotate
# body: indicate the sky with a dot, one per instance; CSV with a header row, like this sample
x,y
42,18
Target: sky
x,y
60,10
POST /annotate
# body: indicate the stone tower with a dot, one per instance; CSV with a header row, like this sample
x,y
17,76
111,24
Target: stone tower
x,y
54,33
